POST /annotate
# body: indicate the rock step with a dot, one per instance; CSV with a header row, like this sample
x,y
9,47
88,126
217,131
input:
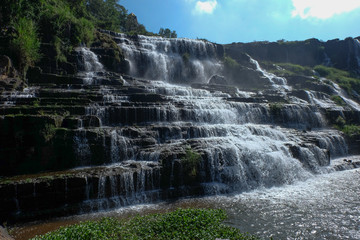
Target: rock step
x,y
30,197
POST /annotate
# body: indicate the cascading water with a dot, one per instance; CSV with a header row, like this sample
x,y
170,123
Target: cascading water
x,y
170,60
276,82
340,92
91,65
134,151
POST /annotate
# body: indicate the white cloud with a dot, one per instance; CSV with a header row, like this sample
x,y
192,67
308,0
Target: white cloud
x,y
322,9
205,6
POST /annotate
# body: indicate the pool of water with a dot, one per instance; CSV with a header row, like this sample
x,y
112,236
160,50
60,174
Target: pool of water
x,y
323,207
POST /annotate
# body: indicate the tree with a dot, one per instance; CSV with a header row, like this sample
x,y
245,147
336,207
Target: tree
x,y
167,33
108,14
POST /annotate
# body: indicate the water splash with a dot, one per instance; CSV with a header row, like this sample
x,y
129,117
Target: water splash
x,y
92,66
171,60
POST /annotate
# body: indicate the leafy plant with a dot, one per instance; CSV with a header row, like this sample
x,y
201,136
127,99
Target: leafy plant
x,y
48,132
343,78
167,33
287,69
351,130
275,108
26,44
230,63
191,162
107,229
179,224
186,57
338,100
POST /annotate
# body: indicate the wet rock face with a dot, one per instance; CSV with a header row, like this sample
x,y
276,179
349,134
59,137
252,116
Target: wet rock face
x,y
110,54
342,54
74,192
98,139
9,78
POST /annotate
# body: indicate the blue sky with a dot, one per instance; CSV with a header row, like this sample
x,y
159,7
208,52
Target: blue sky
x,y
227,21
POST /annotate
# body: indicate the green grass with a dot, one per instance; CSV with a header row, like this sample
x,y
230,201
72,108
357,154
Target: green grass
x,y
179,224
288,69
26,44
343,78
190,162
351,130
338,100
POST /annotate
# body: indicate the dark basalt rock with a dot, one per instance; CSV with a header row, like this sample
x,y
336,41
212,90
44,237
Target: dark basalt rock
x,y
145,97
9,78
311,52
125,139
109,53
56,79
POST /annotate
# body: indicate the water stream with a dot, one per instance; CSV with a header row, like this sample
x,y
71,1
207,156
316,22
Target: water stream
x,y
277,160
326,206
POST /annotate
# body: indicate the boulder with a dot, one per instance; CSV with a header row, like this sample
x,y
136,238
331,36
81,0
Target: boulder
x,y
9,78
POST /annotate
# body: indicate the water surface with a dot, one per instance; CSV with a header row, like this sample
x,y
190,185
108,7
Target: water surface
x,y
326,206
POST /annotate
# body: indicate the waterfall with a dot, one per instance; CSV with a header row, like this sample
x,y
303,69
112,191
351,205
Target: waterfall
x,y
11,98
171,60
340,92
82,148
276,82
137,151
91,65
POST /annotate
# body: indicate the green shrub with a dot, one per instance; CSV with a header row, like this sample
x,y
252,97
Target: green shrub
x,y
338,100
231,63
275,108
340,121
343,78
180,224
351,130
288,69
186,57
190,163
26,45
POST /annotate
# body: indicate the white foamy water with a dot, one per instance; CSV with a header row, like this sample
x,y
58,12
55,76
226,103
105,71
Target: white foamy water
x,y
92,65
323,207
276,82
343,95
170,60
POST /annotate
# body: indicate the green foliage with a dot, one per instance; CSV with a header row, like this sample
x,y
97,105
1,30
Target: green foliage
x,y
26,44
48,132
107,14
58,20
351,130
60,25
338,100
191,162
343,78
167,33
340,122
275,108
186,57
288,69
180,224
107,229
348,129
230,63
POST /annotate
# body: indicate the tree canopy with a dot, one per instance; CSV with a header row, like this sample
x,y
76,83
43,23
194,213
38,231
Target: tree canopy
x,y
25,25
167,33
